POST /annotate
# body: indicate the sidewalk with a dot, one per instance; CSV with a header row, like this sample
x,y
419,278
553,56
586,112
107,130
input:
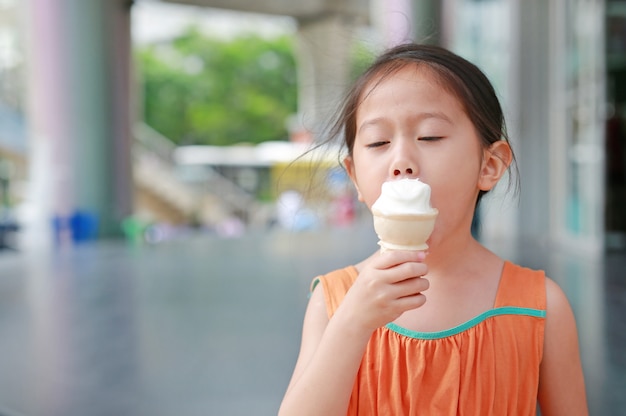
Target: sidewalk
x,y
208,326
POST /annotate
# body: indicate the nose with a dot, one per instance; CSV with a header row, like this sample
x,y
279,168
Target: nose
x,y
398,172
404,166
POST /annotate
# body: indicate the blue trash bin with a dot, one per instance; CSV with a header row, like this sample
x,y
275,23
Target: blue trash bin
x,y
84,226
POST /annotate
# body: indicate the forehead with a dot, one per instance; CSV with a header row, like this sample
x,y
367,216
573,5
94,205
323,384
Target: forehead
x,y
412,86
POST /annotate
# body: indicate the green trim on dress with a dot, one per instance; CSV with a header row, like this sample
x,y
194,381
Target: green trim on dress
x,y
505,310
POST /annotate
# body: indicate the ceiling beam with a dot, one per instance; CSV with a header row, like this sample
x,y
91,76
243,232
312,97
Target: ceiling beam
x,y
305,10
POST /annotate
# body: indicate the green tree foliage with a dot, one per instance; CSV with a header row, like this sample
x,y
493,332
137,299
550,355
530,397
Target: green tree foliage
x,y
202,90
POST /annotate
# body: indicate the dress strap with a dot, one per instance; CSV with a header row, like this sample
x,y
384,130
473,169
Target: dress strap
x,y
521,287
335,286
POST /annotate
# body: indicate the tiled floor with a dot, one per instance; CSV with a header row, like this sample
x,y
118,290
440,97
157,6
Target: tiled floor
x,y
211,327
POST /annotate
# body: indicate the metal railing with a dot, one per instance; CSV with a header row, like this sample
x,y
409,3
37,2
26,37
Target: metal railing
x,y
156,169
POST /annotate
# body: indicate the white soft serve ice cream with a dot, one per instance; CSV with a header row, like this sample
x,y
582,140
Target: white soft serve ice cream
x,y
403,216
403,197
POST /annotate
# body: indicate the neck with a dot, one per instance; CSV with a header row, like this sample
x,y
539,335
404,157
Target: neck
x,y
457,257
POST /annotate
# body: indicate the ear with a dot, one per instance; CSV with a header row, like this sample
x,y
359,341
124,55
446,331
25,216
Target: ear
x,y
348,163
496,160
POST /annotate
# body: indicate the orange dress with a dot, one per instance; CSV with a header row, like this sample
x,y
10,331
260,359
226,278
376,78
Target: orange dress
x,y
488,365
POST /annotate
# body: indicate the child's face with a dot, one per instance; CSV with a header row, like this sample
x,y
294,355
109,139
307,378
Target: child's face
x,y
409,126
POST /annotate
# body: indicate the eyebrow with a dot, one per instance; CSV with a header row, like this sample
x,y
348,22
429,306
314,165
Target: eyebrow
x,y
434,114
414,118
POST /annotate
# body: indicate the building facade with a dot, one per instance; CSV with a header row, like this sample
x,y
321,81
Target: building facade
x,y
547,60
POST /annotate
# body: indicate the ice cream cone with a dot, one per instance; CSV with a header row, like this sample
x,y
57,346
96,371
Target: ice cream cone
x,y
404,231
403,216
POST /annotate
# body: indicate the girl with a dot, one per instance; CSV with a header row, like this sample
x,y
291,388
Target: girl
x,y
455,330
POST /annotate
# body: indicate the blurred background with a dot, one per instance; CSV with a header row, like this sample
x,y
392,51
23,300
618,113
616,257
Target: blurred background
x,y
159,225
123,117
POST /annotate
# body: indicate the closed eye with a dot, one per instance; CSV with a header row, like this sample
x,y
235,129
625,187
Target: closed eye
x,y
430,138
376,144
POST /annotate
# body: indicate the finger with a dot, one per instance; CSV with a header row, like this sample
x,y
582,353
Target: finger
x,y
403,271
410,270
411,286
411,301
391,258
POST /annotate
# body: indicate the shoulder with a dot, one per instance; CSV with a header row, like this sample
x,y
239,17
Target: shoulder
x,y
561,387
345,275
327,291
525,282
522,287
334,286
556,299
560,321
520,272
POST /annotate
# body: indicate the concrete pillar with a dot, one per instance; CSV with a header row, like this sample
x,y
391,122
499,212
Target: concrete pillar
x,y
532,70
323,48
79,114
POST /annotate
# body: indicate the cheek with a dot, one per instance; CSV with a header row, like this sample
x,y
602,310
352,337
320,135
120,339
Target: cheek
x,y
369,191
368,180
371,198
454,191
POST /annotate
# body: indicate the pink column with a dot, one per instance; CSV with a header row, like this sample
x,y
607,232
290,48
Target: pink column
x,y
48,86
398,22
79,114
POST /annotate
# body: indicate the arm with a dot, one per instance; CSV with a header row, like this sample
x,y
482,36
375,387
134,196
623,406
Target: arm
x,y
332,349
327,364
561,382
